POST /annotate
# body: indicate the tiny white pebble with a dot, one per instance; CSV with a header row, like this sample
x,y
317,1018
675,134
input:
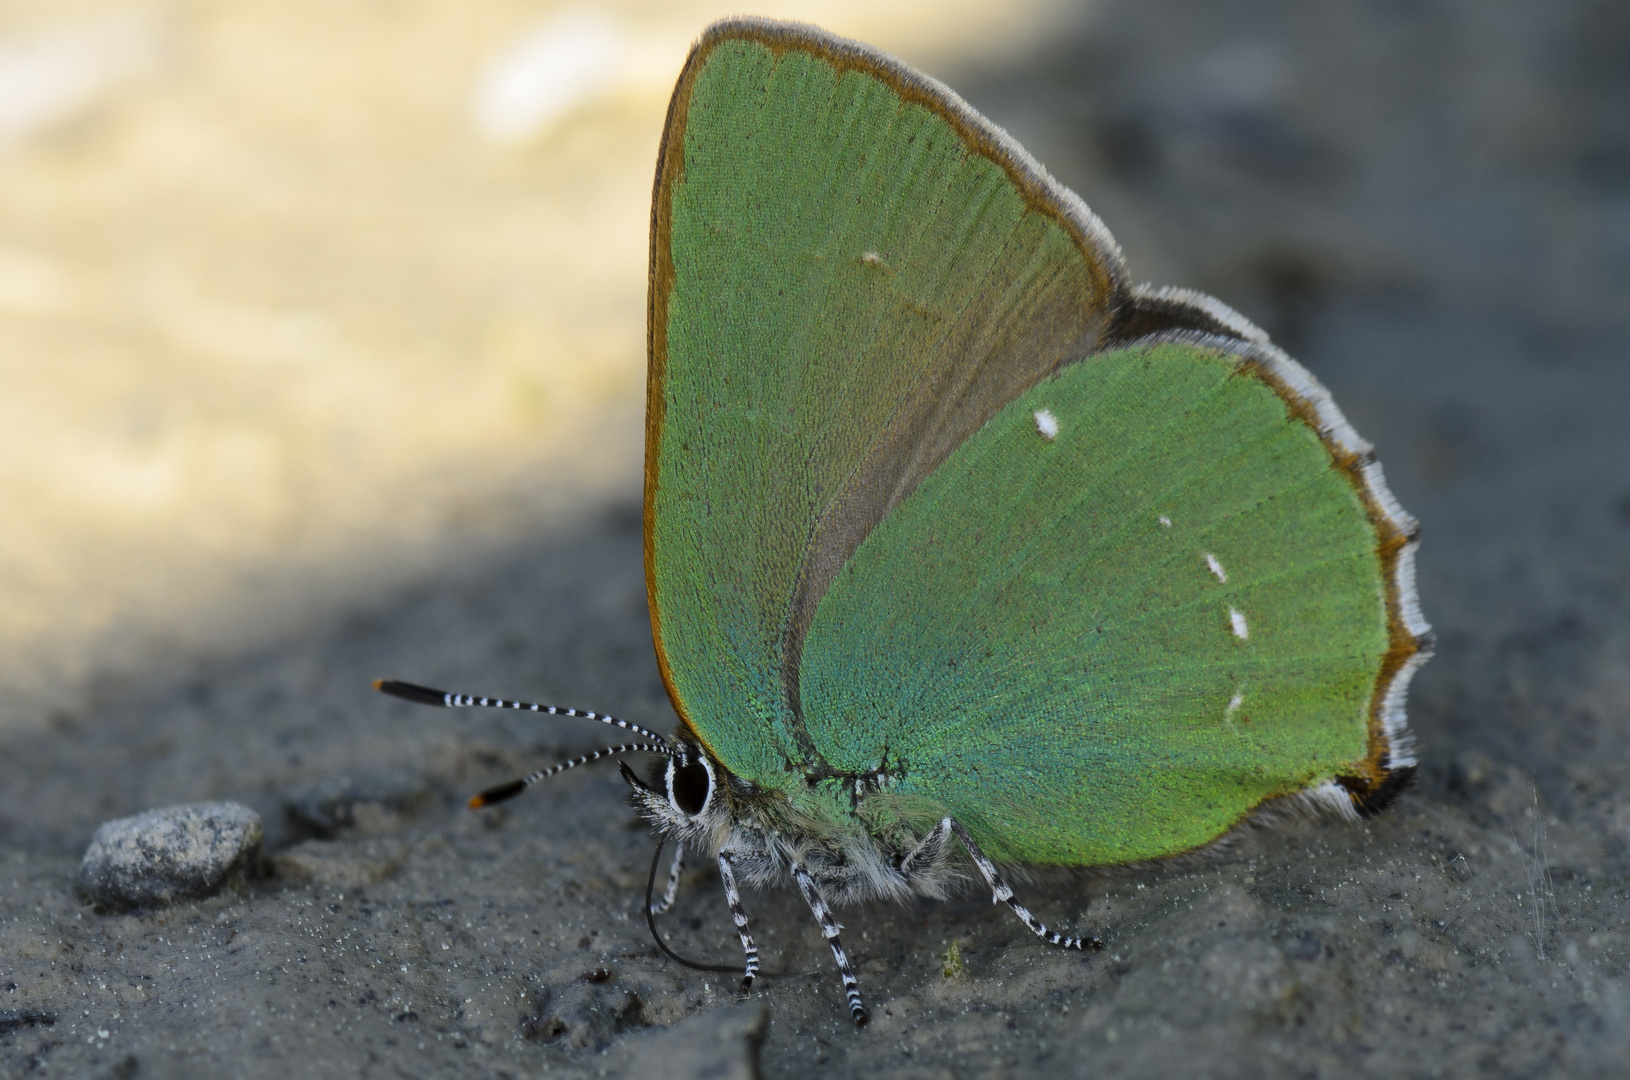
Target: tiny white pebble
x,y
1216,568
1238,620
1046,424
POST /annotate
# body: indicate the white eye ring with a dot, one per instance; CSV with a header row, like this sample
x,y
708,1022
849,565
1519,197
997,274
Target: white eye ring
x,y
707,799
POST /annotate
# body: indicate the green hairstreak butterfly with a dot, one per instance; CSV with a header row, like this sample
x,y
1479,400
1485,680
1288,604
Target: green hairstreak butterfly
x,y
957,544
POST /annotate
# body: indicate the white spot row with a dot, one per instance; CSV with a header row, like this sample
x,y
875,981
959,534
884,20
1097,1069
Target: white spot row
x,y
1236,618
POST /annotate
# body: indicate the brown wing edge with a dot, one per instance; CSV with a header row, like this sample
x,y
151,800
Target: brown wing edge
x,y
1040,190
1390,763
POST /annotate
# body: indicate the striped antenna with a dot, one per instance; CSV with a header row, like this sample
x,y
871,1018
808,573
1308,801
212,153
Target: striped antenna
x,y
424,695
507,791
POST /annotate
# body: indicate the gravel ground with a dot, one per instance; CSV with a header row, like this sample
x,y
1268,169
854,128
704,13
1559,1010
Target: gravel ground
x,y
1430,206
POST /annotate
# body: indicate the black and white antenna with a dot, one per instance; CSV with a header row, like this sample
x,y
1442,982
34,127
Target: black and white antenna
x,y
424,695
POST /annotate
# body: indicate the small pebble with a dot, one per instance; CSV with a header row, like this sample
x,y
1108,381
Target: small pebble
x,y
171,853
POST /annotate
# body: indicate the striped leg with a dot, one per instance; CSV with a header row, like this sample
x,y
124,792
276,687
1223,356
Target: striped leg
x,y
830,928
1001,894
739,914
670,893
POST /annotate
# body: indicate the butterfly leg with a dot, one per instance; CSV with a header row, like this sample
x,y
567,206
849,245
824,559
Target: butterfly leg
x,y
1002,894
739,914
928,852
829,929
671,892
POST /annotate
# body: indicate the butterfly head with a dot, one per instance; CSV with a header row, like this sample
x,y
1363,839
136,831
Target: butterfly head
x,y
684,793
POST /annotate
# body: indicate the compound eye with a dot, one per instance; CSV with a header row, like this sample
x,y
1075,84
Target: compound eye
x,y
690,785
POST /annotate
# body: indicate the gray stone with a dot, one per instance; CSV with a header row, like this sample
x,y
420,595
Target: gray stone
x,y
169,854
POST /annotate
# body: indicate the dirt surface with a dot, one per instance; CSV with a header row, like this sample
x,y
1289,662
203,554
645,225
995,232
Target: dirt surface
x,y
1428,204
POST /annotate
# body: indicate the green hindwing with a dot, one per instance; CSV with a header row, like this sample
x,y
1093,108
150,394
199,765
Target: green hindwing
x,y
1135,605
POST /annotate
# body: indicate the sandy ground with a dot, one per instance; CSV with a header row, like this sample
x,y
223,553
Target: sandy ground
x,y
1428,204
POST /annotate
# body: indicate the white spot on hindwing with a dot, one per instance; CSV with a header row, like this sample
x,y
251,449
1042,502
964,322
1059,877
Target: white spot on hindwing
x,y
1234,703
1046,424
1237,619
1217,568
1164,520
872,258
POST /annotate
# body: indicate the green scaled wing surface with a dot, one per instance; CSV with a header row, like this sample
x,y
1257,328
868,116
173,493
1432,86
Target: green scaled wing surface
x,y
941,513
1109,640
848,279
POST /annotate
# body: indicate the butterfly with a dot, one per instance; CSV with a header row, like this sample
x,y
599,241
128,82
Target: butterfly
x,y
958,545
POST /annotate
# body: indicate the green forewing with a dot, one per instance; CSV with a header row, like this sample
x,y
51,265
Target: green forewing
x,y
1027,645
855,288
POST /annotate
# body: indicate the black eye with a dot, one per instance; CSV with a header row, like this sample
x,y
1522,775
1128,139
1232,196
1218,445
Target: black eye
x,y
689,785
